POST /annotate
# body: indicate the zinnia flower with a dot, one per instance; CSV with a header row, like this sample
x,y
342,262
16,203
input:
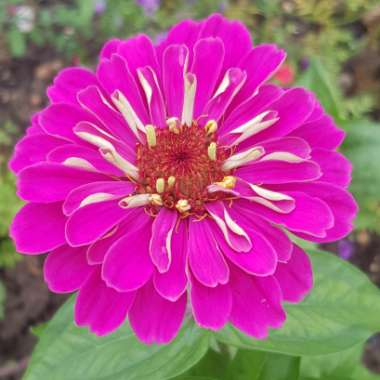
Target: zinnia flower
x,y
174,177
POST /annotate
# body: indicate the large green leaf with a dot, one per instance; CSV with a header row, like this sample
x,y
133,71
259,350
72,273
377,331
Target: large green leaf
x,y
342,310
344,365
67,352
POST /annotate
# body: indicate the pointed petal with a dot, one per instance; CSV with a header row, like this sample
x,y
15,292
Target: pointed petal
x,y
127,265
94,302
38,228
296,276
205,259
155,319
66,269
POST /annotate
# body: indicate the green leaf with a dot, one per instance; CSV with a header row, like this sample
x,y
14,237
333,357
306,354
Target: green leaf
x,y
65,351
345,365
2,300
16,42
256,365
317,79
341,311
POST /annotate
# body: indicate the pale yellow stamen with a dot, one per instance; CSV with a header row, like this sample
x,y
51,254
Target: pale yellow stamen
x,y
160,185
171,181
151,135
228,182
173,125
211,151
183,205
156,200
211,127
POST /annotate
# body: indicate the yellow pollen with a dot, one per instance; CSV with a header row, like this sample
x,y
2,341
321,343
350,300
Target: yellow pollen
x,y
173,125
151,135
211,151
171,181
160,185
228,182
183,205
156,200
211,127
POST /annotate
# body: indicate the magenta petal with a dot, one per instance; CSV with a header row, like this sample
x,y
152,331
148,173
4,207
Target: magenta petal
x,y
335,168
211,306
235,36
175,59
114,75
32,149
256,304
260,260
160,243
321,133
50,182
205,259
271,172
76,196
68,82
294,145
296,276
109,48
207,63
92,100
88,154
90,222
60,119
260,64
155,319
127,265
66,269
173,282
311,215
38,228
139,52
99,307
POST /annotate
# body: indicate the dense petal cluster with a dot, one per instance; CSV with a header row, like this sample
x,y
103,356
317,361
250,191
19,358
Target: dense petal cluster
x,y
173,179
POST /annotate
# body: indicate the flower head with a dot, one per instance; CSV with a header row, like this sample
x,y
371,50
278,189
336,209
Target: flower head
x,y
176,175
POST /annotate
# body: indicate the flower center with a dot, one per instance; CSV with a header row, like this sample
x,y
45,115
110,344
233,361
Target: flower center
x,y
179,164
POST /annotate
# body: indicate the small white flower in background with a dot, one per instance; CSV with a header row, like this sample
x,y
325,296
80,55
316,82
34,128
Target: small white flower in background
x,y
24,18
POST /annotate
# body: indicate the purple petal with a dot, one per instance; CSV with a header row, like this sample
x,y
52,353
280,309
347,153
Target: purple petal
x,y
296,276
38,228
205,260
173,282
155,319
127,265
66,269
94,303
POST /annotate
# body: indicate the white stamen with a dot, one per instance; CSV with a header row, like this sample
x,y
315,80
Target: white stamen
x,y
270,194
253,127
223,85
78,163
160,185
171,181
243,158
282,156
211,127
117,160
233,226
189,97
146,86
173,125
183,205
96,197
125,108
151,135
98,141
139,200
211,151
